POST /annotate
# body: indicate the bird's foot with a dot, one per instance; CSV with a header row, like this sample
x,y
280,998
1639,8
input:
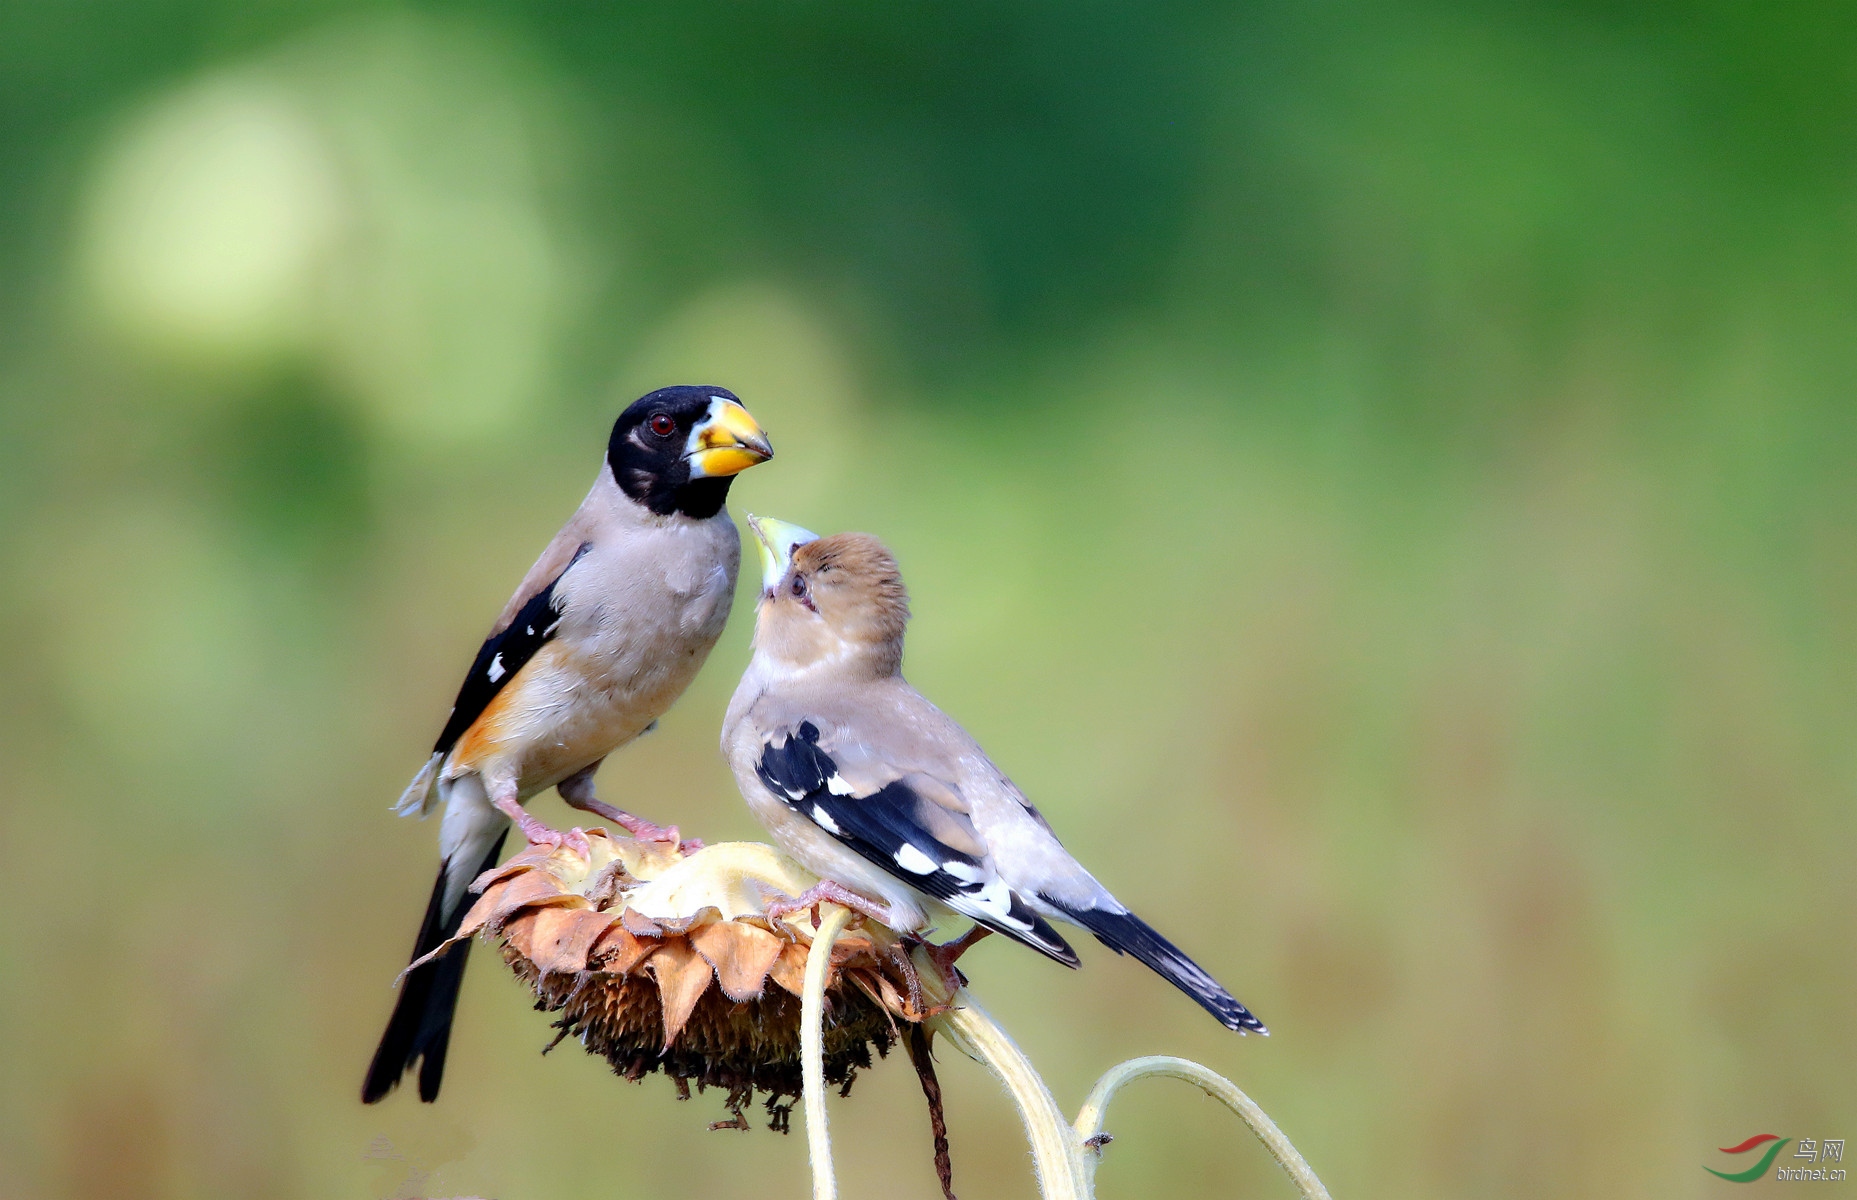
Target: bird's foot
x,y
574,840
639,828
665,835
943,955
539,833
823,892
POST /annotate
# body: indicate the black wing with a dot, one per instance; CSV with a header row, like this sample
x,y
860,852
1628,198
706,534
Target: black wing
x,y
503,654
884,827
1126,933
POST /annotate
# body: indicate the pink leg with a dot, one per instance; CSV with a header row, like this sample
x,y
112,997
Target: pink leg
x,y
825,890
577,790
944,955
532,827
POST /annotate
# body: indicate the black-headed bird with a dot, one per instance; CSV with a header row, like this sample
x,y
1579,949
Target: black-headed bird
x,y
607,630
882,795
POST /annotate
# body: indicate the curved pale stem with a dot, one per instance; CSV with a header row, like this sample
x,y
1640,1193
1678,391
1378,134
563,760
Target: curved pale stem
x,y
1090,1120
1056,1151
812,1048
1061,1155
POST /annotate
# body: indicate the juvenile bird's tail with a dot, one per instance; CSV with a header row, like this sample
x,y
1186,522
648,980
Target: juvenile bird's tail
x,y
420,1028
1126,933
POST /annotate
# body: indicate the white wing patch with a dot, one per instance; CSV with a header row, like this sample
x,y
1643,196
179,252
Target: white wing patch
x,y
964,872
911,859
496,671
995,900
884,827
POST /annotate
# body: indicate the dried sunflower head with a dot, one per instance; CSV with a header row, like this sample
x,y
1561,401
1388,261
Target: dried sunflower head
x,y
662,961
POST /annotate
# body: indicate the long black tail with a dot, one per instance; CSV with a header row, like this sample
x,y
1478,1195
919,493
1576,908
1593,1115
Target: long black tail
x,y
1126,933
420,1027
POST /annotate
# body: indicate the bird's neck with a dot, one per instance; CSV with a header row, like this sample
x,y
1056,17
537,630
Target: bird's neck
x,y
671,492
698,499
838,660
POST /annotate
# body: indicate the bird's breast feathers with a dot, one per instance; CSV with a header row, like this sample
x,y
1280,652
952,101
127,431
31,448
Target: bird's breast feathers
x,y
636,623
673,580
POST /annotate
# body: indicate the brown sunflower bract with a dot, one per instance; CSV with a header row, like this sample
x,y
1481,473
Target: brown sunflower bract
x,y
661,961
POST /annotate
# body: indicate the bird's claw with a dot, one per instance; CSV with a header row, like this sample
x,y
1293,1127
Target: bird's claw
x,y
781,906
944,954
638,828
664,835
539,834
825,891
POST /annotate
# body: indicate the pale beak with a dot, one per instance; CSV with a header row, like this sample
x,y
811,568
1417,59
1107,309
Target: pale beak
x,y
778,540
727,442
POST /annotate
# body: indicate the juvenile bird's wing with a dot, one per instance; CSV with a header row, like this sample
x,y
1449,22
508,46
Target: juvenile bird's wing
x,y
898,783
528,623
910,823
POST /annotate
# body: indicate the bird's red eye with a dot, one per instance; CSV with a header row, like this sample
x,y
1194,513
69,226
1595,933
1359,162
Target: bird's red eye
x,y
663,424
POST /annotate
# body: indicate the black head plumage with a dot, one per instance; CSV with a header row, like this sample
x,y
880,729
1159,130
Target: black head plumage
x,y
648,452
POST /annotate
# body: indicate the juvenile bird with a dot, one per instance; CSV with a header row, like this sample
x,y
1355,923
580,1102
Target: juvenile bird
x,y
881,794
605,632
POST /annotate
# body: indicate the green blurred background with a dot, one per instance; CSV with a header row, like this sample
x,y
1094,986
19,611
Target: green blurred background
x,y
1378,475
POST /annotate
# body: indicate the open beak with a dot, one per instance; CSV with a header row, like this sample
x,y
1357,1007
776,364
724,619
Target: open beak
x,y
727,442
778,540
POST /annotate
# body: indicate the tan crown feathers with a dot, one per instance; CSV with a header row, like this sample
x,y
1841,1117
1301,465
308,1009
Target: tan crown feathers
x,y
867,573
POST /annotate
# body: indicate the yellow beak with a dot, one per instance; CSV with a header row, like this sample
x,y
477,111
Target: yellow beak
x,y
777,541
727,442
